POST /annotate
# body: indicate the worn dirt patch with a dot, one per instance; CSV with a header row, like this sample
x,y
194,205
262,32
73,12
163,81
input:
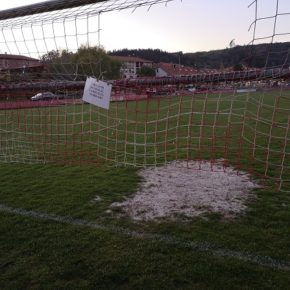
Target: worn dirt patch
x,y
189,189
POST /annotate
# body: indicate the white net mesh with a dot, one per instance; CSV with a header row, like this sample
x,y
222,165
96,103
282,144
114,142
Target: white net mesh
x,y
247,128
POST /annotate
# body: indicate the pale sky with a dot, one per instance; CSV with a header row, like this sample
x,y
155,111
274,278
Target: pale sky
x,y
188,25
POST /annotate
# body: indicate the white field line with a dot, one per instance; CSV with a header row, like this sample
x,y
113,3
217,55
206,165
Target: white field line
x,y
203,247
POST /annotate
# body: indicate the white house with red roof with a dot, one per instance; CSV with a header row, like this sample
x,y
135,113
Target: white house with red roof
x,y
131,65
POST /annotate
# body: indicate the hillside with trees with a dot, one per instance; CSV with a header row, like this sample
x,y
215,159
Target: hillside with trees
x,y
94,61
269,55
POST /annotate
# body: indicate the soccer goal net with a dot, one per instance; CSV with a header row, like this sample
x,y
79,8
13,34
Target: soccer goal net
x,y
238,116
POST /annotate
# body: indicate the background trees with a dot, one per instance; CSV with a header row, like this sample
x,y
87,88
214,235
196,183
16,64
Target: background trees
x,y
146,71
86,61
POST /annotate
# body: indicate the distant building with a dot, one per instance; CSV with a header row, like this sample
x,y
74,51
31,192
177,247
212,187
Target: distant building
x,y
132,65
173,70
10,62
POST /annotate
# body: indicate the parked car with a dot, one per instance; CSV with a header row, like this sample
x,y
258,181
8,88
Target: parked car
x,y
190,88
45,96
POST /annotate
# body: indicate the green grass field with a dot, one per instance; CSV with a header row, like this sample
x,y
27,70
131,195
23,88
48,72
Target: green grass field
x,y
54,235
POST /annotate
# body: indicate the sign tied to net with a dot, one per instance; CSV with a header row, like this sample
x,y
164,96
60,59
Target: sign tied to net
x,y
97,93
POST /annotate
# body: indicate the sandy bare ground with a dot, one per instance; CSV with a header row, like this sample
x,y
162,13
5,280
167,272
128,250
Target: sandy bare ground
x,y
189,189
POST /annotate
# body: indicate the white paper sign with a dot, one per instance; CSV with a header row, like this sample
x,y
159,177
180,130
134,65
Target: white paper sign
x,y
97,93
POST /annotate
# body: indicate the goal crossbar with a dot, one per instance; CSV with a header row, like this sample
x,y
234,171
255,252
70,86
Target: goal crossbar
x,y
56,5
43,7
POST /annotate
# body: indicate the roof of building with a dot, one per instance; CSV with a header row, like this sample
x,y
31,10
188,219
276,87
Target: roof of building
x,y
130,59
176,69
16,57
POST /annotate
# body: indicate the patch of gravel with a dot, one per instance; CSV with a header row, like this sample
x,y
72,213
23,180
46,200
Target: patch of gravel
x,y
189,189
